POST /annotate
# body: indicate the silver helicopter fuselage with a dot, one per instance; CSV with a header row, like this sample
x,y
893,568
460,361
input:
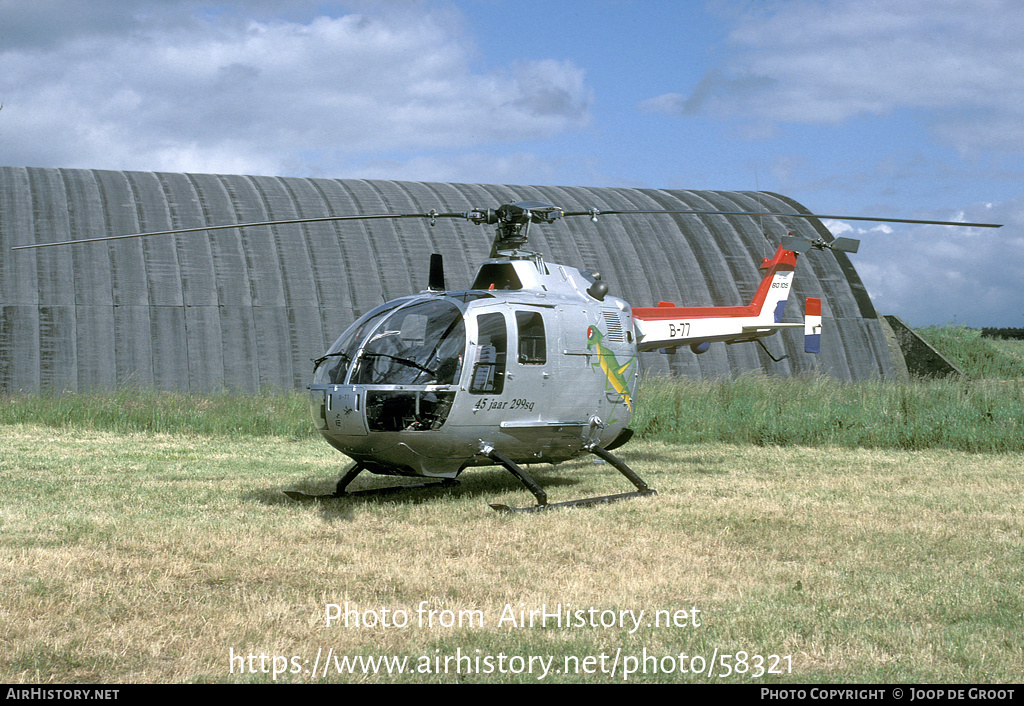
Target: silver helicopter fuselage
x,y
534,360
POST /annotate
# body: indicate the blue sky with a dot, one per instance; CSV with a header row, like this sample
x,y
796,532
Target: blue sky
x,y
858,107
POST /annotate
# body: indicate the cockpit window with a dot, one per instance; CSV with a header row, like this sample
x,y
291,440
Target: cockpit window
x,y
421,344
334,365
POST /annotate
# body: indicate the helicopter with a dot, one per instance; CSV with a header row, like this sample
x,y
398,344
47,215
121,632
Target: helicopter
x,y
532,363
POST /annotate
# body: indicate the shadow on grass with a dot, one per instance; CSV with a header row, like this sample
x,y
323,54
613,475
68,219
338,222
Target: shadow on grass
x,y
486,483
567,481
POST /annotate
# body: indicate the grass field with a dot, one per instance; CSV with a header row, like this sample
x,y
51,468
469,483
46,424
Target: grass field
x,y
156,546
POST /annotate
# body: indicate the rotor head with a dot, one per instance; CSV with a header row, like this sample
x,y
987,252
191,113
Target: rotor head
x,y
513,222
802,245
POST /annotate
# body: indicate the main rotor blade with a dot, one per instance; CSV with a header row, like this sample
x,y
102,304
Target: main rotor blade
x,y
473,215
595,212
292,221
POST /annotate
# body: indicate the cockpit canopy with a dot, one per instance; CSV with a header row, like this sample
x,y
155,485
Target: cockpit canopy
x,y
405,342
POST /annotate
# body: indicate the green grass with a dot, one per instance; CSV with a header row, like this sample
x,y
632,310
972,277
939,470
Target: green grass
x,y
969,415
132,409
977,357
754,409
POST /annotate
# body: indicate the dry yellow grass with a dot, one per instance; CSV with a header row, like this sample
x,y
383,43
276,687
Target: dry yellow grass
x,y
155,558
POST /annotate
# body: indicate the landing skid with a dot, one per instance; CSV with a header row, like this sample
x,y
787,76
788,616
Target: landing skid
x,y
542,498
340,492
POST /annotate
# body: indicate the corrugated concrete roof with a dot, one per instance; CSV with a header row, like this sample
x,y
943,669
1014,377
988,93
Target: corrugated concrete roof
x,y
248,309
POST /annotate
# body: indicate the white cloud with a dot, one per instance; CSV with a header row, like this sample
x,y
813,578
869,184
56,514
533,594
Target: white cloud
x,y
200,91
825,62
932,275
467,167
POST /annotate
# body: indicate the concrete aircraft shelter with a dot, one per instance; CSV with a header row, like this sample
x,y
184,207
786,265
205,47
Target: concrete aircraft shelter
x,y
247,309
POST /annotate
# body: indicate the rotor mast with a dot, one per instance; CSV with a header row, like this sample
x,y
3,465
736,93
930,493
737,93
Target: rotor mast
x,y
513,222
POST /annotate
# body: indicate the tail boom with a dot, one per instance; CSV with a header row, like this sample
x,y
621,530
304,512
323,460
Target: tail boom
x,y
668,326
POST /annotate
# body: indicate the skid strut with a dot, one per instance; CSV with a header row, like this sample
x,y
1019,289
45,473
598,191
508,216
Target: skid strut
x,y
642,489
340,492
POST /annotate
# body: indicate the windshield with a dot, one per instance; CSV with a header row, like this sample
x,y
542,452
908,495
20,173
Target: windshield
x,y
420,344
333,367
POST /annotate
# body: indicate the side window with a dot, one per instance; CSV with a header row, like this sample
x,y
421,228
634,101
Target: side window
x,y
532,346
491,347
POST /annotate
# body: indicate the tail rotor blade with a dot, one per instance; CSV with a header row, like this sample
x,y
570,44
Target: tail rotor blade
x,y
850,245
794,244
